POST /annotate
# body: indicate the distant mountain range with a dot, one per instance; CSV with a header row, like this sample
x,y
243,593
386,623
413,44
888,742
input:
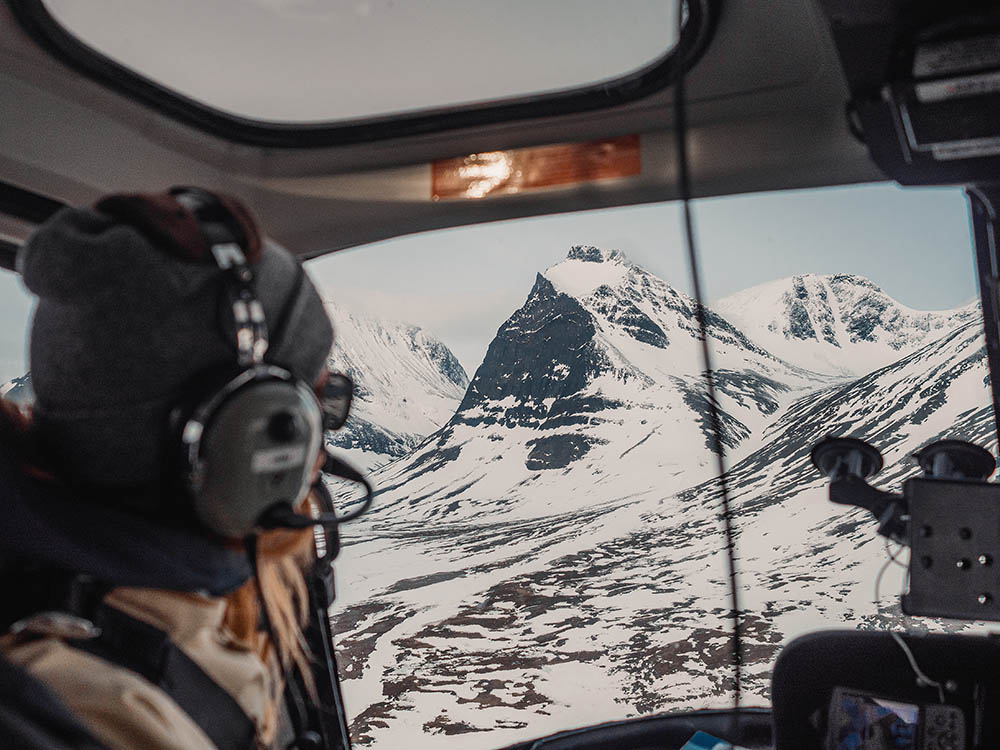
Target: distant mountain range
x,y
551,556
407,384
838,324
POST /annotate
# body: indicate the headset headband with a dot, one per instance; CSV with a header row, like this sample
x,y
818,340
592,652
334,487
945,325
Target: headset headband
x,y
220,231
199,226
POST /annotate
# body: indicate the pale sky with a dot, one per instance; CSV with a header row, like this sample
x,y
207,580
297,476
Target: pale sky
x,y
461,284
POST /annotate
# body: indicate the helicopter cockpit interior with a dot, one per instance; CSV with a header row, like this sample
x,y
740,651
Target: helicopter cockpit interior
x,y
742,98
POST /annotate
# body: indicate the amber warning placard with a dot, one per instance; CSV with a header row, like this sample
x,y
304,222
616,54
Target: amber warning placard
x,y
503,172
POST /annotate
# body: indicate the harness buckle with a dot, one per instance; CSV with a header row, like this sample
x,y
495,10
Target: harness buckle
x,y
56,624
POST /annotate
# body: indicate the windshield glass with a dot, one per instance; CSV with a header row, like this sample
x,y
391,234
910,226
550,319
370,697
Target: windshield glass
x,y
545,550
313,61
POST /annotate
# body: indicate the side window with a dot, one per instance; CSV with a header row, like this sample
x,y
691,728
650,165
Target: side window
x,y
15,310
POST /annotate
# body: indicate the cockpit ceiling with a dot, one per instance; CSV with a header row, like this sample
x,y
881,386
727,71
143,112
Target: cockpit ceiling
x,y
766,99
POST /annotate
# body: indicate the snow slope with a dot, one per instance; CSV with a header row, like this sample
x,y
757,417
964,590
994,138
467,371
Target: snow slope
x,y
837,324
407,384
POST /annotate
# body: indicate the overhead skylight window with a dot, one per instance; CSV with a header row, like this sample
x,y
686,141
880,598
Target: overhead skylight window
x,y
320,61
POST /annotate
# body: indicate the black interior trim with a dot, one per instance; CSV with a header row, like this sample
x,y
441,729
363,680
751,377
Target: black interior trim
x,y
8,255
983,201
26,205
752,728
33,208
39,24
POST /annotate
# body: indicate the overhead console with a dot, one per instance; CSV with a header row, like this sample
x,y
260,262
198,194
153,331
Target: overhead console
x,y
924,79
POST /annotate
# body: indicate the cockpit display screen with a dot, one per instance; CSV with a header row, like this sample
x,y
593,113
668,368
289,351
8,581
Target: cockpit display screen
x,y
866,722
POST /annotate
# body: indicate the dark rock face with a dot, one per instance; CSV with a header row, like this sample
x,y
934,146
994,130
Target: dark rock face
x,y
633,320
799,325
747,387
866,318
556,451
825,318
361,434
731,430
544,351
811,313
810,316
575,410
591,254
870,311
850,280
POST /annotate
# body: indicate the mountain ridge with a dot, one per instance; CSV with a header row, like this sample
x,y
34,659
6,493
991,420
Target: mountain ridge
x,y
836,324
407,384
601,354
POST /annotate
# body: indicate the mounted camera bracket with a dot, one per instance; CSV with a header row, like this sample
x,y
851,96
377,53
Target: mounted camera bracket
x,y
950,518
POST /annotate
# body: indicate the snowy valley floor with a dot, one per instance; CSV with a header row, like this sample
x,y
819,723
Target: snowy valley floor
x,y
476,635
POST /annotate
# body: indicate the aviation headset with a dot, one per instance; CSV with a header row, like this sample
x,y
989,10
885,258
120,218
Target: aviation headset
x,y
248,445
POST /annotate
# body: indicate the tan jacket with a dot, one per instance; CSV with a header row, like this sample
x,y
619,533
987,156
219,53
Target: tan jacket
x,y
123,709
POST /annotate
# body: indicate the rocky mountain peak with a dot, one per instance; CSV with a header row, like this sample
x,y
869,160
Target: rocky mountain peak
x,y
582,450
592,254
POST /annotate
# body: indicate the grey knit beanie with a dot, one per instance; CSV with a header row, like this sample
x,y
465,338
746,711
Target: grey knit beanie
x,y
122,326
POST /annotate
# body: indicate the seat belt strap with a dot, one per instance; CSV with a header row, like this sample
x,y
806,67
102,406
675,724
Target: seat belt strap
x,y
149,652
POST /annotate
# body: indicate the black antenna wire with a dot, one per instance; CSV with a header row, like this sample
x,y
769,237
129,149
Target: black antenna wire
x,y
718,447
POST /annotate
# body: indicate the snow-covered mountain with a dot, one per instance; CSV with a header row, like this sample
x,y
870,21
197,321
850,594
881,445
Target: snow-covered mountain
x,y
406,385
552,556
596,376
18,390
838,324
798,549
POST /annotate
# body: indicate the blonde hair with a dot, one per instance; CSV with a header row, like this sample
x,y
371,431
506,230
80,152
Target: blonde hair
x,y
280,593
282,558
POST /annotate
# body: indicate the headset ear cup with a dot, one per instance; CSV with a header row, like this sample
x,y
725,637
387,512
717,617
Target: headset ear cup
x,y
250,447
